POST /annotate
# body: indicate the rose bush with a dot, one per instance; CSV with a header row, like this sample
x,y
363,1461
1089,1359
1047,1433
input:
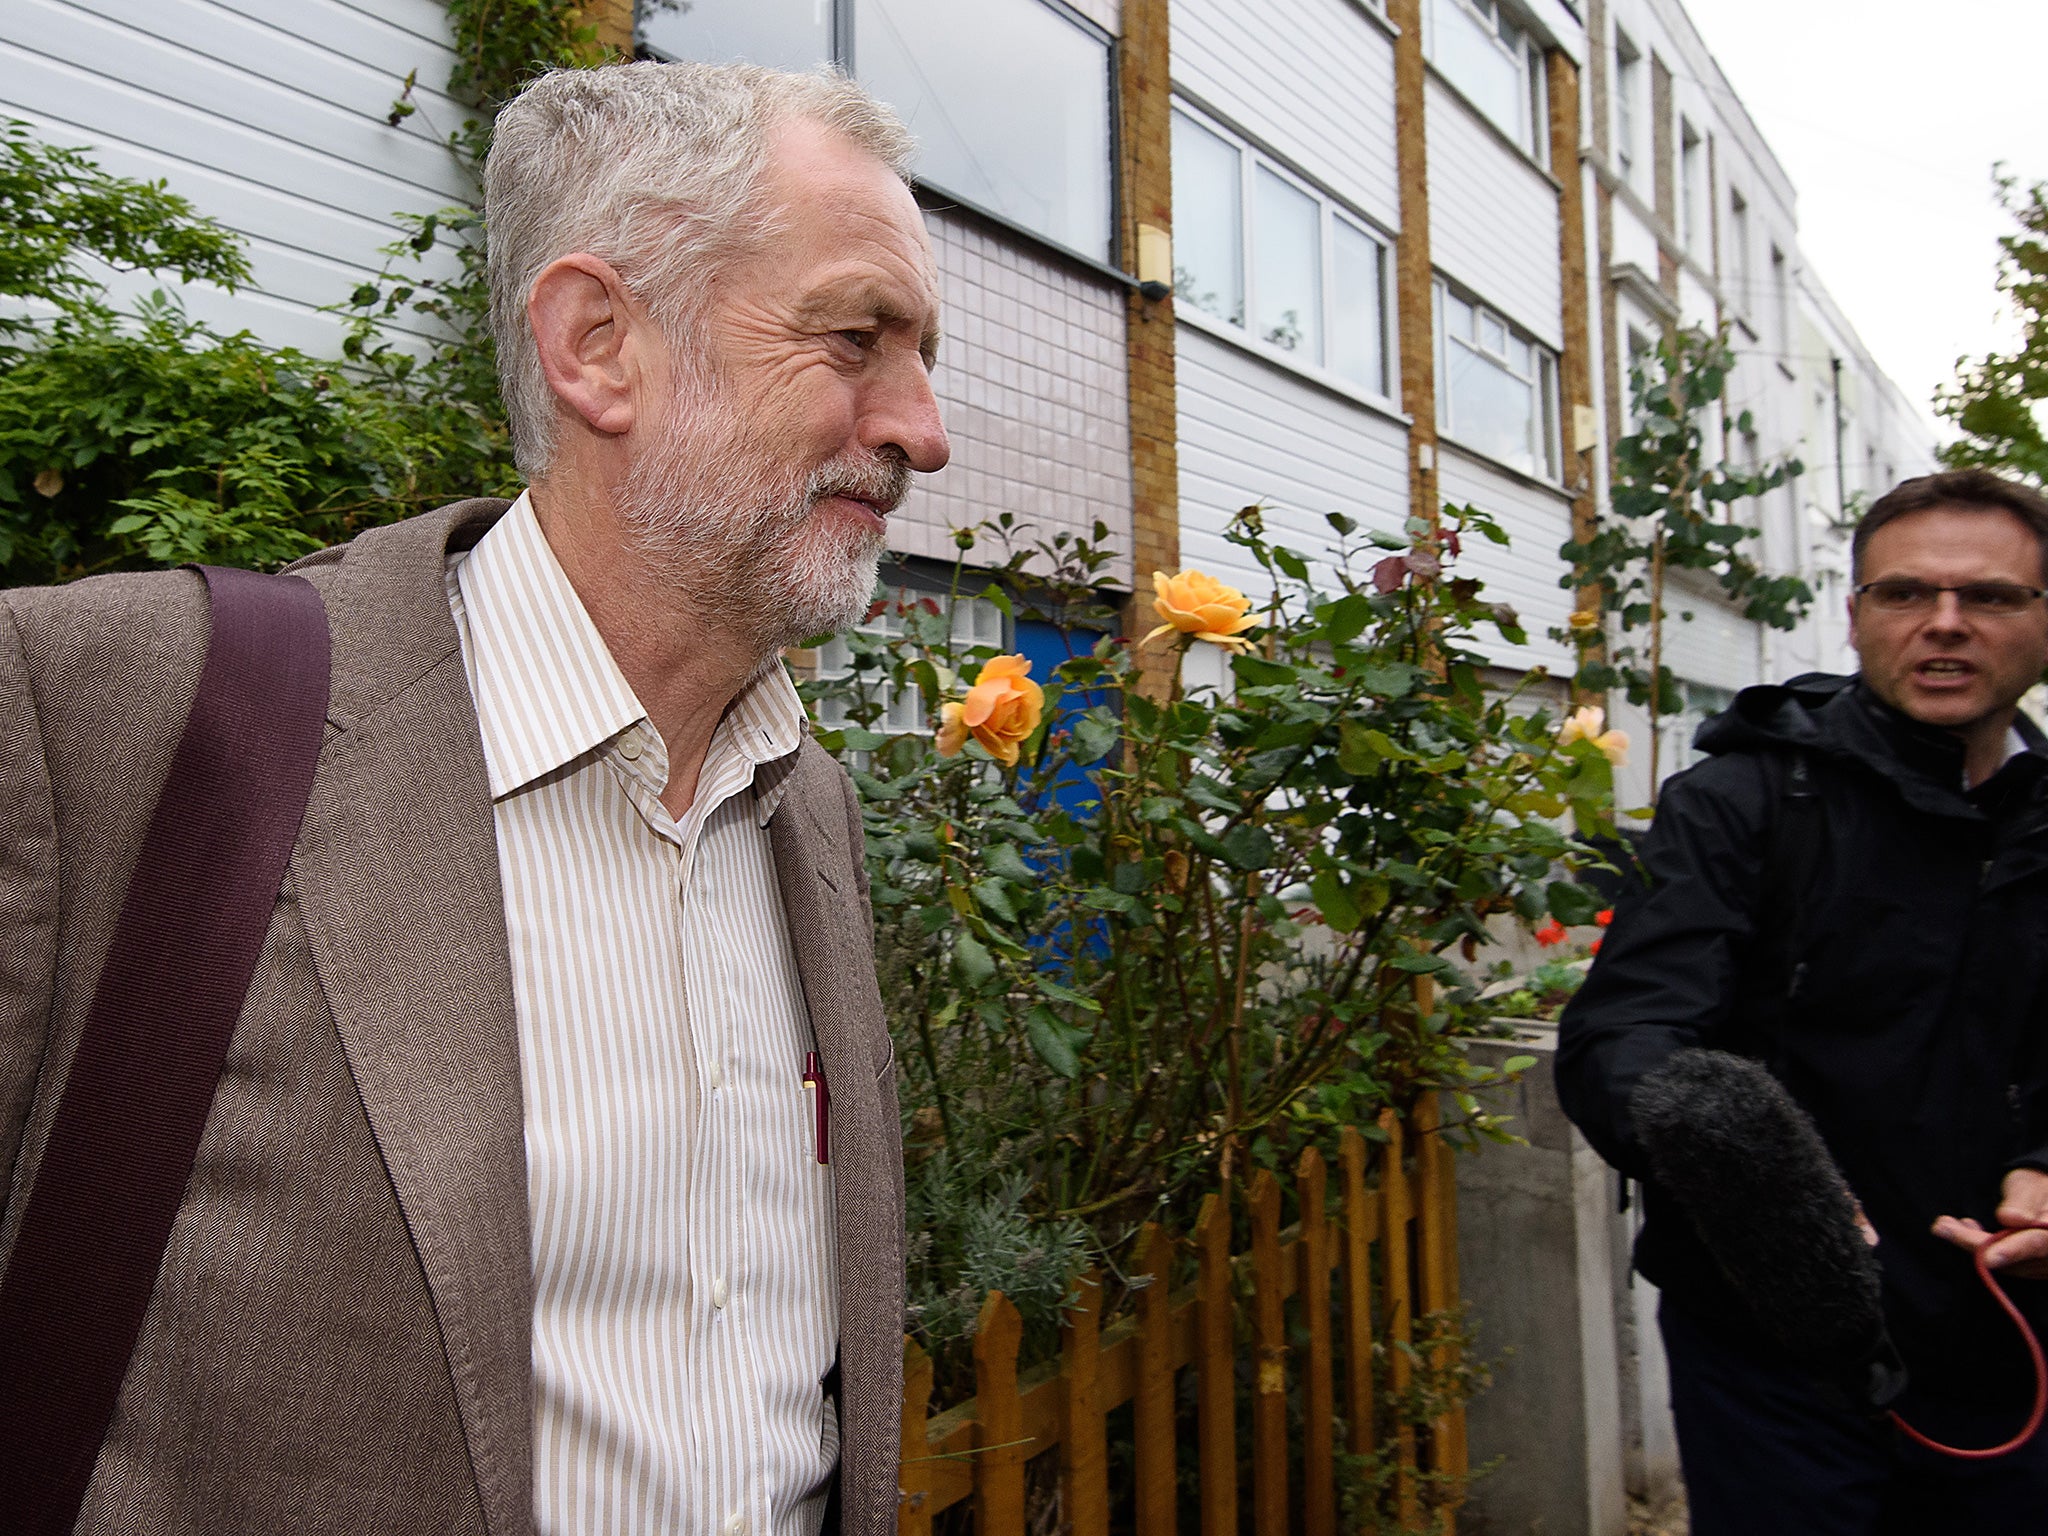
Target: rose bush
x,y
1157,940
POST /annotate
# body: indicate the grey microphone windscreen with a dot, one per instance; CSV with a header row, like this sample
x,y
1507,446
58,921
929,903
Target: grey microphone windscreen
x,y
1728,1143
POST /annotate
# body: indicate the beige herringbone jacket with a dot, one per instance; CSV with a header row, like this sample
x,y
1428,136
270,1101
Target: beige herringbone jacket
x,y
339,1340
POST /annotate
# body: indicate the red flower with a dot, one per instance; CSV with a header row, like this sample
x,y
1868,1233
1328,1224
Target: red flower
x,y
1594,947
1552,932
1604,916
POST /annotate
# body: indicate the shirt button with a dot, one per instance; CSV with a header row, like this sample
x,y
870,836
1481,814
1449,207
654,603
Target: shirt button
x,y
735,1525
716,1076
720,1295
629,746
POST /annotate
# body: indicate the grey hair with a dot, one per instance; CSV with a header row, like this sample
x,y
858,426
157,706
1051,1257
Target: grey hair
x,y
655,168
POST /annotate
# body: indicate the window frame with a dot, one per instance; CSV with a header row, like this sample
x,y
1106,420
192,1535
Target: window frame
x,y
1547,450
1330,211
846,56
1628,63
1531,88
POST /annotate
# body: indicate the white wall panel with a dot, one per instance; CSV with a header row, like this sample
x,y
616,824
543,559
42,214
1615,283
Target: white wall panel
x,y
269,115
1493,217
1524,572
1253,431
1706,641
1313,78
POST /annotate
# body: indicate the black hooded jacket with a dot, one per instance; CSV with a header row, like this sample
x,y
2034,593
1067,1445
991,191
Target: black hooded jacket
x,y
1916,1034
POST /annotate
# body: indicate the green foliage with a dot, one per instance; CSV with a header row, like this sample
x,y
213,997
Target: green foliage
x,y
1674,507
1444,1373
57,208
1993,400
1204,950
148,438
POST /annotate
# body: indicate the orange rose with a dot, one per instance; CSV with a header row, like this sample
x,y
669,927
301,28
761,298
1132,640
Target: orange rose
x,y
1198,604
1000,711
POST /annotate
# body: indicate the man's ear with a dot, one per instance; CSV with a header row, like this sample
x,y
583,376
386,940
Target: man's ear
x,y
588,331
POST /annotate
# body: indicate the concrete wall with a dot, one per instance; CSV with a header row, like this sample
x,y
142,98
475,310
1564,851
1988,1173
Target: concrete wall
x,y
1578,1413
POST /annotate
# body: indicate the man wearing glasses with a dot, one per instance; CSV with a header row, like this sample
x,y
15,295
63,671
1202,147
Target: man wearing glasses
x,y
1853,889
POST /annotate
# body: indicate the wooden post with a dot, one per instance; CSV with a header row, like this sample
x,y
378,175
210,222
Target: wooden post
x,y
999,1435
1084,1463
913,1516
1399,1295
1215,1320
1437,1230
1319,1408
1360,1224
1152,1406
1269,1388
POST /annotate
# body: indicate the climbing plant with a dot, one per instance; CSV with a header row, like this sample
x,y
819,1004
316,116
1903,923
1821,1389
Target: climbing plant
x,y
1675,507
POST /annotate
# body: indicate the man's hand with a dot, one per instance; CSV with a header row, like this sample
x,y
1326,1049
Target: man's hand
x,y
2023,1203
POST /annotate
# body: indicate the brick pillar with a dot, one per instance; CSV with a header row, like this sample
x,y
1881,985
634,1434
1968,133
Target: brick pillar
x,y
614,22
1575,366
1414,278
1145,184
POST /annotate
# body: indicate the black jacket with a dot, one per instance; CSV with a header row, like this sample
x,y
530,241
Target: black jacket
x,y
1917,1035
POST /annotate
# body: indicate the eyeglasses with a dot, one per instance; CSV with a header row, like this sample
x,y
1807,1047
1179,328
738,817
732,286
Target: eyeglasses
x,y
1980,599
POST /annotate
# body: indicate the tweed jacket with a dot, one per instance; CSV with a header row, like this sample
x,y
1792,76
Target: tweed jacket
x,y
340,1337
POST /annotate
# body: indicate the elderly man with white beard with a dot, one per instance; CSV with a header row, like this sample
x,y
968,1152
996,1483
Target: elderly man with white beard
x,y
553,1181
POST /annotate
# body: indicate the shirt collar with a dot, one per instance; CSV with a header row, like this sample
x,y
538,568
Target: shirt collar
x,y
548,691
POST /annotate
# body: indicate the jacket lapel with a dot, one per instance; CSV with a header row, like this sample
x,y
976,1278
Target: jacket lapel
x,y
819,871
398,873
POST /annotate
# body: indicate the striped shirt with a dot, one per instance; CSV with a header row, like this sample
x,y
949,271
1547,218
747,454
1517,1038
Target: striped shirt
x,y
685,1287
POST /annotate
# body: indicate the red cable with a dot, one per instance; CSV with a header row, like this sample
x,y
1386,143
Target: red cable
x,y
2033,1350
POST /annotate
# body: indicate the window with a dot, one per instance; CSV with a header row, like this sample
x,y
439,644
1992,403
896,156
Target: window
x,y
976,621
1739,283
1256,248
1499,392
1012,113
1690,171
1628,85
1640,360
1781,303
1495,64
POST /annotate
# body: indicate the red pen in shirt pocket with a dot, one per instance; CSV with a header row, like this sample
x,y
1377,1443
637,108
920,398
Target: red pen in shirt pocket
x,y
821,1101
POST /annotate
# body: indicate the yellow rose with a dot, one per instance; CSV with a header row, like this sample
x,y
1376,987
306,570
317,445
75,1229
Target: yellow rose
x,y
1584,620
1000,711
1197,604
1585,724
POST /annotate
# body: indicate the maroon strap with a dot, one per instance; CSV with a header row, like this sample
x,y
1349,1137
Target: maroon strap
x,y
121,1147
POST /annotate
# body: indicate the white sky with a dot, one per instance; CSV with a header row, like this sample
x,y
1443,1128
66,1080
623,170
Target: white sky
x,y
1887,115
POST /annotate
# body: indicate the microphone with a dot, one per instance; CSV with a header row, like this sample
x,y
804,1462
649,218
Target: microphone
x,y
1728,1143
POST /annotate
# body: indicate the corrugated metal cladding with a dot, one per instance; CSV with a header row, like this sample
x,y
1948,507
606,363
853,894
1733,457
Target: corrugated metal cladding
x,y
1033,384
1255,431
268,114
1312,79
1493,218
1523,573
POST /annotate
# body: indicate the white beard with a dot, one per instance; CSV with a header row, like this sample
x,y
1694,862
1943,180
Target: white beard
x,y
742,531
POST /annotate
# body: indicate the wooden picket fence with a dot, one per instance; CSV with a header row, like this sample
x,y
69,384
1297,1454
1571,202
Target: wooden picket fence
x,y
1399,1197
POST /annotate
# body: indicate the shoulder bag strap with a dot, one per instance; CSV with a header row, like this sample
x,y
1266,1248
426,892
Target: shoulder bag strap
x,y
142,1081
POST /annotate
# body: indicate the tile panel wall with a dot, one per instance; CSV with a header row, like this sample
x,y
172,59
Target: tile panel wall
x,y
1033,385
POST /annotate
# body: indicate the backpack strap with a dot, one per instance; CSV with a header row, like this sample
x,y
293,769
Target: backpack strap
x,y
135,1103
1791,865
